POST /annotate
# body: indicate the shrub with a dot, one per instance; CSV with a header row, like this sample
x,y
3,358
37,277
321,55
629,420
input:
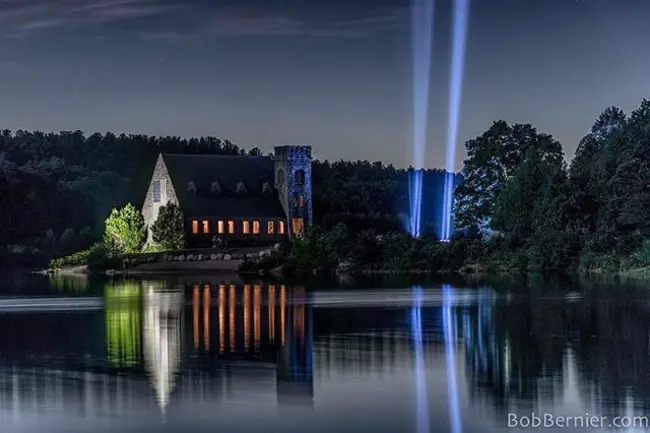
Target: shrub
x,y
98,257
168,231
125,229
641,257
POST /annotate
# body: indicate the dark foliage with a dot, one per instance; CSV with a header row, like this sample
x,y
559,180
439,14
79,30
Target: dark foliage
x,y
57,189
168,230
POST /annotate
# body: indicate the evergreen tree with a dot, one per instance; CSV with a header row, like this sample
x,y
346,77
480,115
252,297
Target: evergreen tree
x,y
125,229
168,231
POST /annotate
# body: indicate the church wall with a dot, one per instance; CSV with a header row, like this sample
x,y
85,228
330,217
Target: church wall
x,y
167,195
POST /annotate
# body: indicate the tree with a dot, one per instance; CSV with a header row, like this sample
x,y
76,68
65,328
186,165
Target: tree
x,y
168,230
492,160
125,229
611,120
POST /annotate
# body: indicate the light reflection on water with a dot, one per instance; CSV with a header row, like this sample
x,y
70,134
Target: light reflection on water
x,y
208,353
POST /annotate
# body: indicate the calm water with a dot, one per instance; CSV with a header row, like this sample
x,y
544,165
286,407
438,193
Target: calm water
x,y
203,354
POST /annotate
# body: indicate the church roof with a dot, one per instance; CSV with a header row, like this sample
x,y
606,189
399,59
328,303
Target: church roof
x,y
228,171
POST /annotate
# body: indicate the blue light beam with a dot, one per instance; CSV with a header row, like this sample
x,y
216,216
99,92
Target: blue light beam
x,y
459,35
450,347
415,199
422,406
422,18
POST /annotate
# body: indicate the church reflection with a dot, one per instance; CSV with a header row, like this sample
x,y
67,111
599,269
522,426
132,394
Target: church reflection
x,y
195,342
226,324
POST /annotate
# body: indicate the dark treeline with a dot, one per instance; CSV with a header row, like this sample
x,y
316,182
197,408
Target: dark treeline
x,y
57,189
543,213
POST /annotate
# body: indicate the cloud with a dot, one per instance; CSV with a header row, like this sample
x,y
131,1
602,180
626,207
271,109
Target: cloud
x,y
247,22
21,17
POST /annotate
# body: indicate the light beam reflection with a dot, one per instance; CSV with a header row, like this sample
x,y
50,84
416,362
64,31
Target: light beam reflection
x,y
422,410
450,347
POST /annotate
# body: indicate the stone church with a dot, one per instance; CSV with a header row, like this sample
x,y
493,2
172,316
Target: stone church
x,y
245,200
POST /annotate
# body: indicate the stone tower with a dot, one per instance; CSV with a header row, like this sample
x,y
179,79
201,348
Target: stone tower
x,y
293,183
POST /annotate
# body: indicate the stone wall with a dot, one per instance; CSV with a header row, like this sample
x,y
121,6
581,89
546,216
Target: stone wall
x,y
291,159
195,255
167,195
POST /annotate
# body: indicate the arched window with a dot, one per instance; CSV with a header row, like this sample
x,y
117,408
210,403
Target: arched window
x,y
299,177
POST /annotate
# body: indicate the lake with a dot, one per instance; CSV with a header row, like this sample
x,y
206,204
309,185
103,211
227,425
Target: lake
x,y
204,353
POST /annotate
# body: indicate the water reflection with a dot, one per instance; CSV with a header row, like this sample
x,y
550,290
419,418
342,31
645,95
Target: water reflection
x,y
162,339
184,345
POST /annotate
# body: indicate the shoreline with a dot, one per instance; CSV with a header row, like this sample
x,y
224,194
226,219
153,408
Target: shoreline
x,y
233,267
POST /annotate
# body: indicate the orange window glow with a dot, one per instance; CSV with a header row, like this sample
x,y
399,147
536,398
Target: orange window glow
x,y
298,226
231,227
270,227
281,227
246,229
256,227
195,227
220,229
206,226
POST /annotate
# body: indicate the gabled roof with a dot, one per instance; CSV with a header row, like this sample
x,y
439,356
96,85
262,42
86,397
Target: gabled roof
x,y
203,170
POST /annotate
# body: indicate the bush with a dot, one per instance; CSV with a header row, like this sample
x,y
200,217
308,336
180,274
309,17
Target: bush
x,y
98,257
316,250
125,229
168,231
641,257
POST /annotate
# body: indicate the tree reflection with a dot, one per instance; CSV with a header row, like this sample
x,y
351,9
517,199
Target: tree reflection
x,y
123,314
545,349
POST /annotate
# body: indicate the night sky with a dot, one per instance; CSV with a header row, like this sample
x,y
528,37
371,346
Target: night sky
x,y
335,74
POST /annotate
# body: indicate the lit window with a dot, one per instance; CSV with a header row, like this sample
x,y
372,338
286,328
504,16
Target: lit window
x,y
220,227
195,227
298,226
269,227
281,227
206,226
295,200
231,227
256,227
246,227
301,201
156,191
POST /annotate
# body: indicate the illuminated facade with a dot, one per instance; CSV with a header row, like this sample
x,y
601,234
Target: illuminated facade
x,y
241,199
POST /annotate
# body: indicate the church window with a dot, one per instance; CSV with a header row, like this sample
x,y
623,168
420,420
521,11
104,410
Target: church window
x,y
298,226
299,177
156,191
